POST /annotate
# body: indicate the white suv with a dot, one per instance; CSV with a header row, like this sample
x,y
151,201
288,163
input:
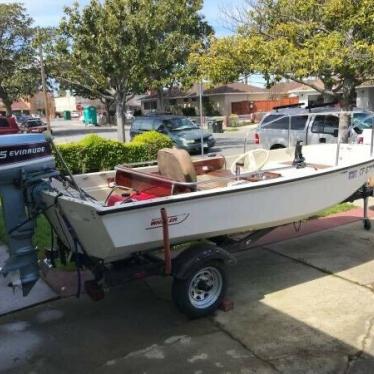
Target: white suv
x,y
312,126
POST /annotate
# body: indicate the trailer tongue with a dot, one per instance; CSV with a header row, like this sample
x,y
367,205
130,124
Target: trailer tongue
x,y
25,161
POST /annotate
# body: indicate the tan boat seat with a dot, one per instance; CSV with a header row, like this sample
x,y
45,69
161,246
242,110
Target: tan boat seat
x,y
176,164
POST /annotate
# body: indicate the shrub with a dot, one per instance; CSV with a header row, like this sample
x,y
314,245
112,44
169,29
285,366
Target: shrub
x,y
154,141
94,153
233,120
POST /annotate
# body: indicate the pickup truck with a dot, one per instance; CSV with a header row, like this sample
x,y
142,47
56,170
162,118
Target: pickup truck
x,y
310,127
8,125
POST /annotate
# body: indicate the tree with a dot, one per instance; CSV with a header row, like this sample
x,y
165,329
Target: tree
x,y
116,48
19,74
179,33
330,40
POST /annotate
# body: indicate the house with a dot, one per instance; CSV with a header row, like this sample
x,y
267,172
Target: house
x,y
221,100
32,105
74,103
365,95
304,94
310,96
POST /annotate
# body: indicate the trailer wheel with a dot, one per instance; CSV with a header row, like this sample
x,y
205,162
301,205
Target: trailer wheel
x,y
201,292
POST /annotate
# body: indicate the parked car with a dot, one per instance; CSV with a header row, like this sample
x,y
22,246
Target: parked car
x,y
75,114
21,118
32,125
183,132
8,125
365,123
312,126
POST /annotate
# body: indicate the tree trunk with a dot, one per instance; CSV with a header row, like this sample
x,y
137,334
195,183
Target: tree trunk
x,y
8,107
346,104
344,123
161,98
120,119
108,105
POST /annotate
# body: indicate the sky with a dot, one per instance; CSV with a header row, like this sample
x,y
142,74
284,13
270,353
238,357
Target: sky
x,y
49,12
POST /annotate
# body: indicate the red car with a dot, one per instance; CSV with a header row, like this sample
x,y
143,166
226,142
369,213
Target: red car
x,y
8,125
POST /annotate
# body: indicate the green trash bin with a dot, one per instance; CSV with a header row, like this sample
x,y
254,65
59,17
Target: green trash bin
x,y
219,127
67,115
90,115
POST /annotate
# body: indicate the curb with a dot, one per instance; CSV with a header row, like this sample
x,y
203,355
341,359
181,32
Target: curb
x,y
90,130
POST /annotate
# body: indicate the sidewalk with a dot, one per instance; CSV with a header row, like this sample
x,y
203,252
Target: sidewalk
x,y
13,300
75,127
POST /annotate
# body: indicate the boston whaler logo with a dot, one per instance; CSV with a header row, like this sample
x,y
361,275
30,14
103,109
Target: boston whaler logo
x,y
173,220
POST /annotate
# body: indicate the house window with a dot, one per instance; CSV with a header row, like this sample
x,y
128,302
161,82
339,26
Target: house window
x,y
150,105
173,102
194,99
186,100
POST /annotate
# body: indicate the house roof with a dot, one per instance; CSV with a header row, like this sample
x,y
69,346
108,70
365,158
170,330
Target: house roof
x,y
135,101
226,89
369,83
290,86
235,88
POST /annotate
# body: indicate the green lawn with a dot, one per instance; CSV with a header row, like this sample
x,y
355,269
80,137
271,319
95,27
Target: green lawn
x,y
339,208
42,236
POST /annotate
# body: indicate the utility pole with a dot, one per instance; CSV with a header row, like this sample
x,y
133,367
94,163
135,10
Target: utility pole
x,y
44,85
201,116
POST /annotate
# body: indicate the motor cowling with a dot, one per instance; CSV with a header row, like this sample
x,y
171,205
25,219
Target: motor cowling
x,y
25,163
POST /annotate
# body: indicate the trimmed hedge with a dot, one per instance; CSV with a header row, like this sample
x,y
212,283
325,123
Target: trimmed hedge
x,y
94,153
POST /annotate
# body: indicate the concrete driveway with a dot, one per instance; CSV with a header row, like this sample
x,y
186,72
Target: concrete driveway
x,y
301,306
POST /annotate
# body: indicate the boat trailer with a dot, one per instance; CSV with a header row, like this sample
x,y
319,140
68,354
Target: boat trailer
x,y
198,268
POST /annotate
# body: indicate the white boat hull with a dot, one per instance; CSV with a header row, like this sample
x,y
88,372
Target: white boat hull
x,y
117,232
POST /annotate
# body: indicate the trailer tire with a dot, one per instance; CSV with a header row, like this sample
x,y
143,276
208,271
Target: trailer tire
x,y
201,292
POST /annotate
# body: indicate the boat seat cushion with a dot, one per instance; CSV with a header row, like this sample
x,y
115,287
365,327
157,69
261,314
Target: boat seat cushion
x,y
176,164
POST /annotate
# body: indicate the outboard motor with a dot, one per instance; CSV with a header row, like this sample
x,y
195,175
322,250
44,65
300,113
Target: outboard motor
x,y
25,162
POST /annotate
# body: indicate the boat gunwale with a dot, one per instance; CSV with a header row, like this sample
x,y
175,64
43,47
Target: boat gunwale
x,y
101,210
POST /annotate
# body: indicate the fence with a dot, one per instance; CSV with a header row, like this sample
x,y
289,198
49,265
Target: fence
x,y
246,107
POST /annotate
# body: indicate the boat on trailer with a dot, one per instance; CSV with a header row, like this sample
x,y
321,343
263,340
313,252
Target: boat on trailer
x,y
204,198
164,218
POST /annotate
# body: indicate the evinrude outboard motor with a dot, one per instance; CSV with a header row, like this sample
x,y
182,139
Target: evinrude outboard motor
x,y
25,162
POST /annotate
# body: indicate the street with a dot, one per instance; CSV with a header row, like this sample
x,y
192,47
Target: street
x,y
228,143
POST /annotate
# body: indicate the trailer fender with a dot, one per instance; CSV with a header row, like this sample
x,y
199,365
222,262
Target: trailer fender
x,y
199,253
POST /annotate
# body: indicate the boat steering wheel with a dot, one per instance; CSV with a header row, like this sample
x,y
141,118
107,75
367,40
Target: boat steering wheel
x,y
252,160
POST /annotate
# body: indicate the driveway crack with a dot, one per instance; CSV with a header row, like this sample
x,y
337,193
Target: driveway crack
x,y
352,359
243,345
322,270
